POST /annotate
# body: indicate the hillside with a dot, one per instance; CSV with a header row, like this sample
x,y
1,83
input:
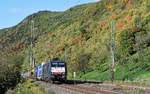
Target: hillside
x,y
81,36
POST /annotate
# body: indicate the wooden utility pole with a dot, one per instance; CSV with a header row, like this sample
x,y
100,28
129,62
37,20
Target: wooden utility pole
x,y
113,50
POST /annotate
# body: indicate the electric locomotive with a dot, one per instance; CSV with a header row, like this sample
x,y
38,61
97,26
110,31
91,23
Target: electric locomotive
x,y
52,70
58,70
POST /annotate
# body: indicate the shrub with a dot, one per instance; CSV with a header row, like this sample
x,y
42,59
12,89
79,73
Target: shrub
x,y
9,76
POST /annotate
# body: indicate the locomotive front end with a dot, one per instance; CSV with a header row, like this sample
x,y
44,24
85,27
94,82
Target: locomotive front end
x,y
58,70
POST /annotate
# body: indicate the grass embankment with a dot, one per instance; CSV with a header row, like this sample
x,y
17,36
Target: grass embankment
x,y
29,87
142,79
135,70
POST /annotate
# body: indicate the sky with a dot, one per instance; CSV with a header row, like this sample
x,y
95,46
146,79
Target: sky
x,y
14,11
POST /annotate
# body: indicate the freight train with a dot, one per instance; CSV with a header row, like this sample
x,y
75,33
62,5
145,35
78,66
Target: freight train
x,y
52,70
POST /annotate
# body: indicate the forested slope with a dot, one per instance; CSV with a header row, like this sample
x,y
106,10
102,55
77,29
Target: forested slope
x,y
82,36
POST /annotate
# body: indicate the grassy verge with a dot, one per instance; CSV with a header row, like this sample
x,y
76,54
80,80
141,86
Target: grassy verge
x,y
142,78
28,87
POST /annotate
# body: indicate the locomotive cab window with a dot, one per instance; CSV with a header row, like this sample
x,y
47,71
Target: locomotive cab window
x,y
54,64
61,64
58,64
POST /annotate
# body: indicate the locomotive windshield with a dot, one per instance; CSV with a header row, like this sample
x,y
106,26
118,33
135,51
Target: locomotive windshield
x,y
61,64
57,64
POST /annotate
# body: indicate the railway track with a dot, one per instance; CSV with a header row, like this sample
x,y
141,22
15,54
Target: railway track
x,y
88,90
83,87
61,88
